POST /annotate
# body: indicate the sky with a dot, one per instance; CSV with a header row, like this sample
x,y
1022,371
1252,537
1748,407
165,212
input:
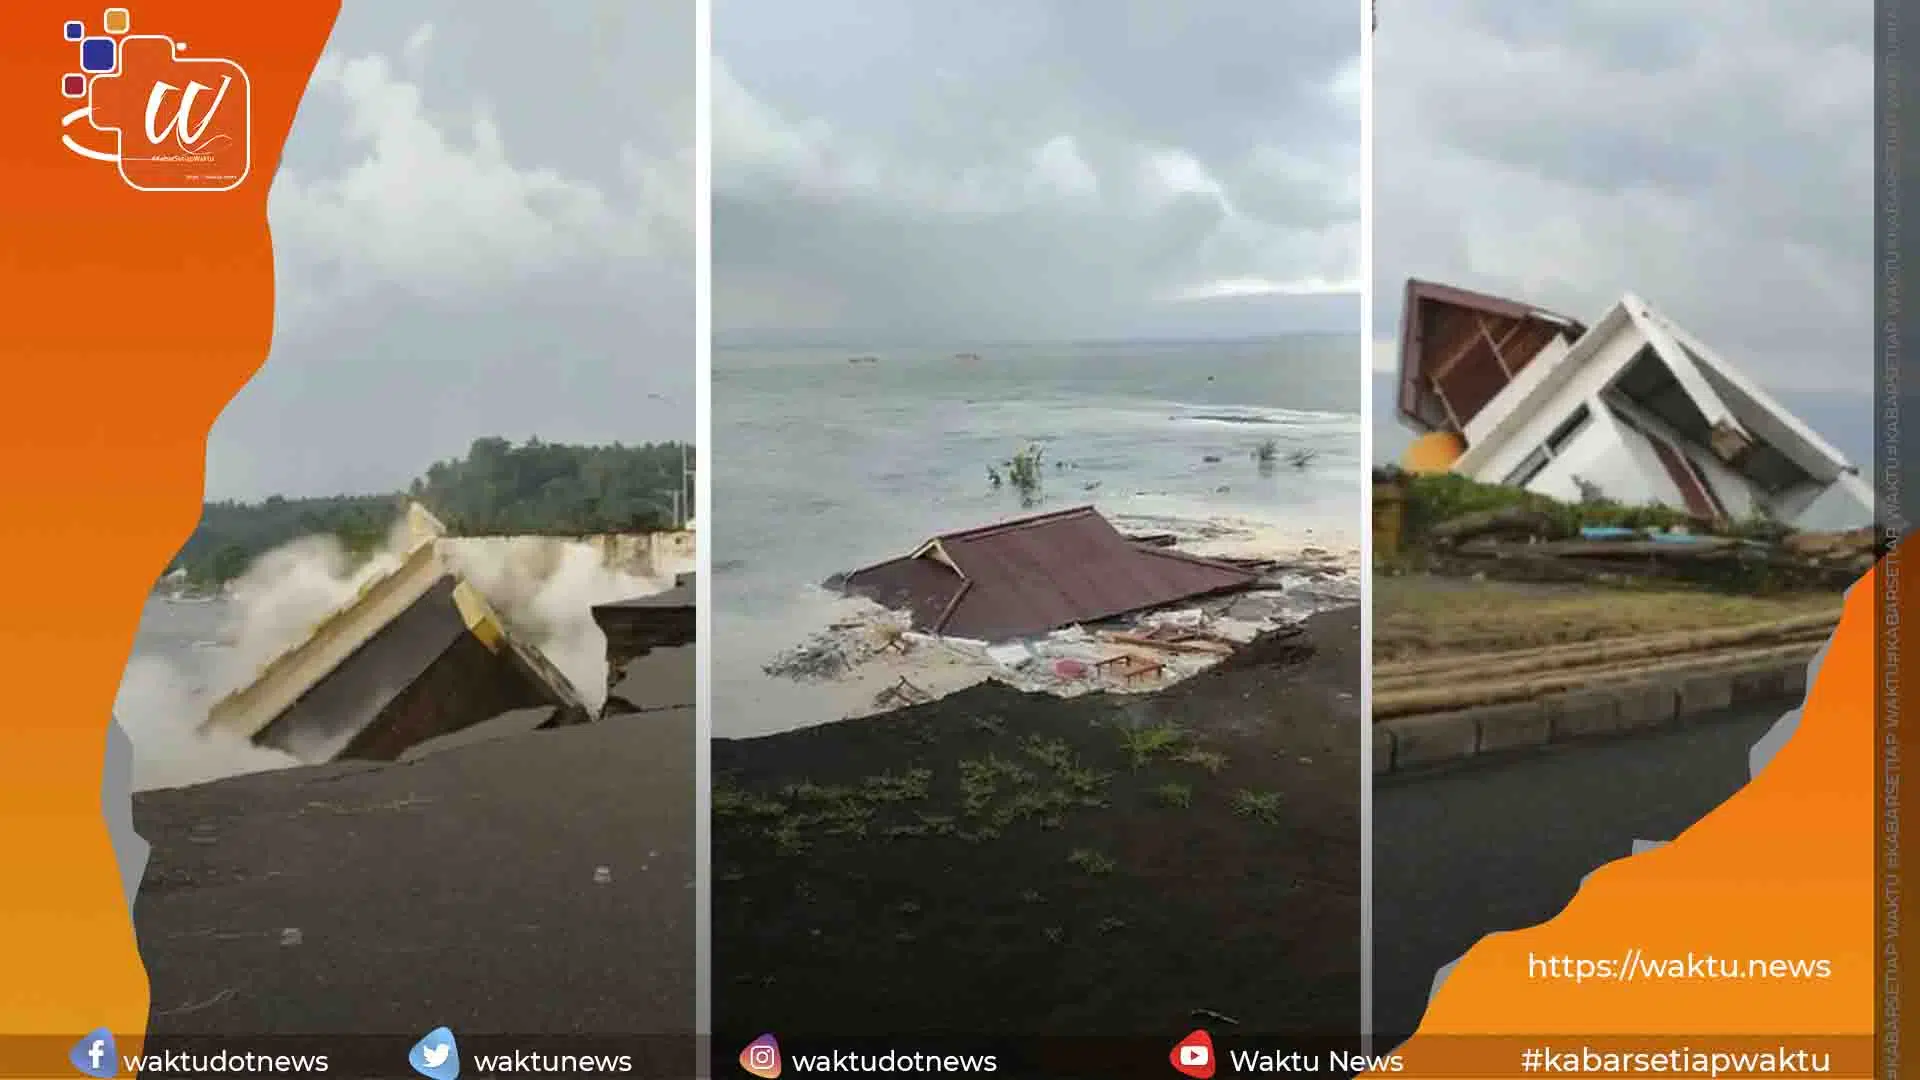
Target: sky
x,y
483,225
1717,161
988,170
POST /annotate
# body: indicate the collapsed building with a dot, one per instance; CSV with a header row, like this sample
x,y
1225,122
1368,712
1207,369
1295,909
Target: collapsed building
x,y
1632,408
416,659
1033,575
1061,603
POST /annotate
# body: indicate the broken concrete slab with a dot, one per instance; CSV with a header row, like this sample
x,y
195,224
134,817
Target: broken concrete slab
x,y
517,722
650,656
661,679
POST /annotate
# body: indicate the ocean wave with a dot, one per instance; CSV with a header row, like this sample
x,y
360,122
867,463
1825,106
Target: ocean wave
x,y
1259,416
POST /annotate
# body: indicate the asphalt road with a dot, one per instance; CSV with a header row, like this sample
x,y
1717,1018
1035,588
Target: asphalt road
x,y
1503,845
540,883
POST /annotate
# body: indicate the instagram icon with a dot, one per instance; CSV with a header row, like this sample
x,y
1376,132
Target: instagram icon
x,y
762,1057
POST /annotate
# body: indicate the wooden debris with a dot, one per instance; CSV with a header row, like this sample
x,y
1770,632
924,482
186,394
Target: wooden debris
x,y
1130,668
1195,644
904,692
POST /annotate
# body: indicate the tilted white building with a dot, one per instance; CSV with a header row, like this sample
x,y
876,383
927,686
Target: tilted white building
x,y
1633,408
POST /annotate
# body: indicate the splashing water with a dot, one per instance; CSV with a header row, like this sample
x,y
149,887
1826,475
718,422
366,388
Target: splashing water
x,y
544,587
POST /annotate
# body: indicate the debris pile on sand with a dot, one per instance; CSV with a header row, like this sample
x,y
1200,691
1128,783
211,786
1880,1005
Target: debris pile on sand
x,y
885,666
835,651
820,658
1063,604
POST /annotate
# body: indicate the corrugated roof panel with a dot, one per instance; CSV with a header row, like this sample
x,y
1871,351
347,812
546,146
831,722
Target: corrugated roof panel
x,y
1033,575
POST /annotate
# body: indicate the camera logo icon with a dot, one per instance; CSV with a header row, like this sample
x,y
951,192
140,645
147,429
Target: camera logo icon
x,y
761,1057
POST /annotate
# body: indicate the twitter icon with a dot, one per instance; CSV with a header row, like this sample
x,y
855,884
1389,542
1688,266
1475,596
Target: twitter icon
x,y
435,1056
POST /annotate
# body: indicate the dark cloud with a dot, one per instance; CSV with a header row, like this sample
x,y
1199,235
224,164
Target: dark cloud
x,y
1002,169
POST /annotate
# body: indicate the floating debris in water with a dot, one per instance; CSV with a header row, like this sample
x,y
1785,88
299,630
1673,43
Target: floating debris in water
x,y
820,658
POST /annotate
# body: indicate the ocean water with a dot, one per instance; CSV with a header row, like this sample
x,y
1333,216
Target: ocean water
x,y
180,631
822,465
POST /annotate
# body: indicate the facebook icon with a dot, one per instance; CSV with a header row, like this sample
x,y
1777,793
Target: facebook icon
x,y
94,1054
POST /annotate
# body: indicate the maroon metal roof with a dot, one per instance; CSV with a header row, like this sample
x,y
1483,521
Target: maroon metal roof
x,y
1459,348
1036,574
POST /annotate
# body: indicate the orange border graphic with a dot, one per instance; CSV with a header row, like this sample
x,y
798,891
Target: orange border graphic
x,y
1785,869
131,319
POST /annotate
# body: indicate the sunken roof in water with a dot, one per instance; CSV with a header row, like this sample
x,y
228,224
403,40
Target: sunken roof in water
x,y
1036,574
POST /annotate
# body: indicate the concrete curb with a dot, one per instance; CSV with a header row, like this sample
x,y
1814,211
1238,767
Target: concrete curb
x,y
1416,742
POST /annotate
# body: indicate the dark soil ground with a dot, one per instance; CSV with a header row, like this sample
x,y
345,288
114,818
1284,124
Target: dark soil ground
x,y
464,888
998,863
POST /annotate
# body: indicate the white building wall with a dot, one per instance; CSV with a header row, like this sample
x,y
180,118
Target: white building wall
x,y
1583,386
1611,458
1607,454
1736,493
1845,505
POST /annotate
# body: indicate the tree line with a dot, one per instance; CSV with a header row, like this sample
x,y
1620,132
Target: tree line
x,y
499,487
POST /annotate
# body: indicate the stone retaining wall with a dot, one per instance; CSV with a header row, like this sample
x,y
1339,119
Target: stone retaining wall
x,y
1417,742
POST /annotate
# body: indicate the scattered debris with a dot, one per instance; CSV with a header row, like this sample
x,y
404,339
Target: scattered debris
x,y
903,692
1065,605
817,659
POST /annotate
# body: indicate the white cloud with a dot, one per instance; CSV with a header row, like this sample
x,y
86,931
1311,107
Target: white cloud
x,y
437,205
1228,287
1718,165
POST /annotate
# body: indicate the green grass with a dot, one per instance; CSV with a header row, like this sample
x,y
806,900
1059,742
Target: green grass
x,y
1432,500
1144,745
1208,760
1091,862
1261,806
1178,796
1055,754
889,788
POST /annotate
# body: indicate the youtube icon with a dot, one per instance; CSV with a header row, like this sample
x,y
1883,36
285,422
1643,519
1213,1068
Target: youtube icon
x,y
1193,1055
